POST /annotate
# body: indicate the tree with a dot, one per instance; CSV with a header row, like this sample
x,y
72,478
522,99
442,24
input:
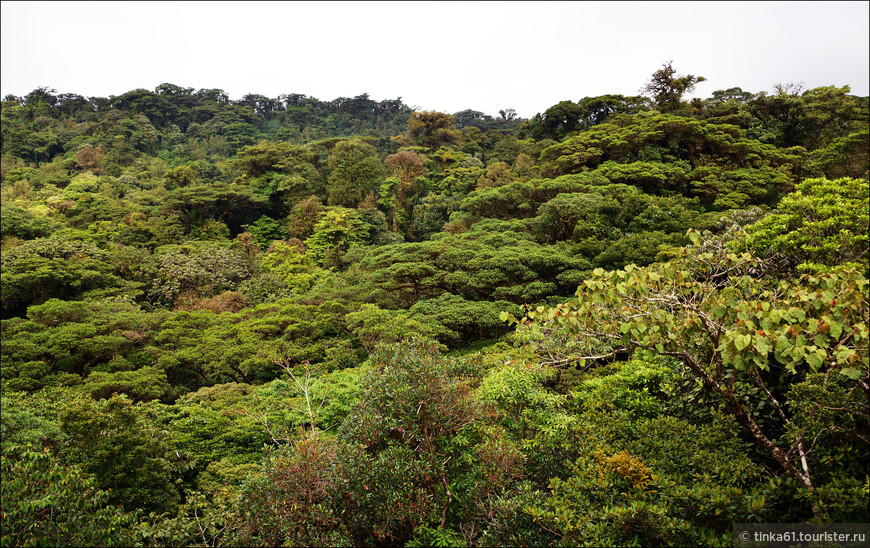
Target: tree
x,y
202,348
180,176
232,123
431,214
144,384
291,503
595,110
354,172
561,119
373,325
297,268
813,119
23,224
497,174
91,158
653,464
738,330
205,272
667,153
456,322
667,88
335,233
303,217
46,268
433,130
45,502
406,167
63,342
414,404
847,156
668,482
41,100
492,261
280,168
415,453
471,118
112,441
735,95
196,205
266,230
820,226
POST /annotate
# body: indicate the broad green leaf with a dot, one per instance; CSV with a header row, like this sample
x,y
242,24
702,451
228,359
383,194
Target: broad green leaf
x,y
742,341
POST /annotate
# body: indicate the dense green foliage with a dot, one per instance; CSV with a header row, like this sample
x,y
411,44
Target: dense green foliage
x,y
624,321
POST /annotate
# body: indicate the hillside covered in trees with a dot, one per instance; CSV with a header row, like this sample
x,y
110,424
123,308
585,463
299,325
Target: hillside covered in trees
x,y
286,321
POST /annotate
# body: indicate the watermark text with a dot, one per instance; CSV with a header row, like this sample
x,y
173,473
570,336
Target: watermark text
x,y
800,535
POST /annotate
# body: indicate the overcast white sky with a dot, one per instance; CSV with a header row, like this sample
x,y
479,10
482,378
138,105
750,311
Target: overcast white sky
x,y
445,56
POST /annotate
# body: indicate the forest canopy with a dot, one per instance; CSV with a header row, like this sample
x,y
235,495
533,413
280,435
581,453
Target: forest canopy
x,y
627,320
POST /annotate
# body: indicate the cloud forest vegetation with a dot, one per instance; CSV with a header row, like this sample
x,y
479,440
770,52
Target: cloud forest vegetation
x,y
625,321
